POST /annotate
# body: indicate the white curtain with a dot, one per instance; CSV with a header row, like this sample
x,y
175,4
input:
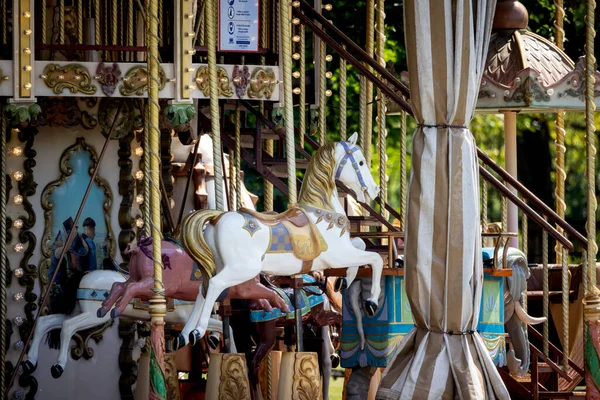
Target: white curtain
x,y
443,357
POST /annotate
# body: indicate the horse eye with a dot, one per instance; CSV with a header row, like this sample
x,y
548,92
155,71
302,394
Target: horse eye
x,y
361,163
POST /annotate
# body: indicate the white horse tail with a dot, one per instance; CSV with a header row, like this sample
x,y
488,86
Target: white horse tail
x,y
192,237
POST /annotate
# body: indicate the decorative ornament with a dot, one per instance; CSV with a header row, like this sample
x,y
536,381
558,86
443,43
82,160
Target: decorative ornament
x,y
19,272
136,80
74,77
203,81
262,83
178,116
21,116
128,120
18,296
241,78
108,76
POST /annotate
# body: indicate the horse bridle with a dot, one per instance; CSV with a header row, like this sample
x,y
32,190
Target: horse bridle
x,y
349,156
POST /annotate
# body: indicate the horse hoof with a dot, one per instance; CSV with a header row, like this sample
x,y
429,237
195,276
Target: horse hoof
x,y
114,313
399,263
179,342
370,308
101,312
194,337
213,342
340,284
28,367
56,371
335,360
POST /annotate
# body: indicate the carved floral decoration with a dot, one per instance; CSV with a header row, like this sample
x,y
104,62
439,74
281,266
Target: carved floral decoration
x,y
234,379
108,76
74,77
241,78
203,82
136,81
262,83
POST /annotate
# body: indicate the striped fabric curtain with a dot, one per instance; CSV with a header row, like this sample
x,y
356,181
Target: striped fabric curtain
x,y
443,357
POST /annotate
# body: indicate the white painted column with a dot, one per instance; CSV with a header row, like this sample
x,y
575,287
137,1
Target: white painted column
x,y
510,164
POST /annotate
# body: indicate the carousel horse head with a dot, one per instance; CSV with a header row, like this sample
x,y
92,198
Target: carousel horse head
x,y
353,171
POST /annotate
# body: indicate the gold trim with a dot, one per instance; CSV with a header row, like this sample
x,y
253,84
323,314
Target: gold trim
x,y
262,83
202,82
136,79
307,381
66,170
74,77
234,379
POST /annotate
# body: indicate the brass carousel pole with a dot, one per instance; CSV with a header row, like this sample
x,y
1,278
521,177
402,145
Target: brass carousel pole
x,y
158,308
591,300
4,269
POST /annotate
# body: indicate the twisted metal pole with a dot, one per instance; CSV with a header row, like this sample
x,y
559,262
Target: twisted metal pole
x,y
561,175
545,293
4,268
343,100
211,37
403,175
238,149
381,110
158,308
285,13
302,96
369,85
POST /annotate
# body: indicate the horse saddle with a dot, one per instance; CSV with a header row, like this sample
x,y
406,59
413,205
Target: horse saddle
x,y
291,231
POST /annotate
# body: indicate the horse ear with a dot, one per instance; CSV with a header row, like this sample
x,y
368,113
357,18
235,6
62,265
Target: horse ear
x,y
353,138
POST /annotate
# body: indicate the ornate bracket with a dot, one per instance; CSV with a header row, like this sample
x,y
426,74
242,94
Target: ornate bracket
x,y
262,83
203,84
74,77
81,347
108,76
129,117
179,116
136,80
241,78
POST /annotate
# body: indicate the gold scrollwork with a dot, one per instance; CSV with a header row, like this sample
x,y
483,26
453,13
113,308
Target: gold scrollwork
x,y
234,380
262,83
307,384
74,77
203,84
136,81
66,170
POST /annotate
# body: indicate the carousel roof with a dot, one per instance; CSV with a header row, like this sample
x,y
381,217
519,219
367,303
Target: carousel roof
x,y
526,72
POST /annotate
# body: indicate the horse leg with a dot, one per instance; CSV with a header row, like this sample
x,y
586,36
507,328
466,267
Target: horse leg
x,y
214,325
266,332
116,291
141,288
355,296
44,325
230,275
327,351
79,322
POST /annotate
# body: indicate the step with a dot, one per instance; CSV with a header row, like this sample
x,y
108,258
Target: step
x,y
280,170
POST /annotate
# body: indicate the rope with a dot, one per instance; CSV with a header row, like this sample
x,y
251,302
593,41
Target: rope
x,y
201,27
146,180
585,275
369,86
561,175
285,14
211,32
154,147
61,21
343,99
545,289
565,308
4,268
44,26
403,177
381,111
590,108
237,169
80,21
504,211
160,22
130,28
322,90
302,98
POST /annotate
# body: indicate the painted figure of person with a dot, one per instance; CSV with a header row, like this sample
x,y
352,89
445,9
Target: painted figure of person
x,y
89,232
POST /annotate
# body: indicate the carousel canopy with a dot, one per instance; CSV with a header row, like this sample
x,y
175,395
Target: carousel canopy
x,y
526,72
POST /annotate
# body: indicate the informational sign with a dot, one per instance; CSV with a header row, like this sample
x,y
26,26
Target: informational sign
x,y
238,25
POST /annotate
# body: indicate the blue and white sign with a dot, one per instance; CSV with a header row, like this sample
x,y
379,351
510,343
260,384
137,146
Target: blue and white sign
x,y
238,25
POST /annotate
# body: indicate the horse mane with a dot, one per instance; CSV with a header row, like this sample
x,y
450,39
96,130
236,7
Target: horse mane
x,y
318,184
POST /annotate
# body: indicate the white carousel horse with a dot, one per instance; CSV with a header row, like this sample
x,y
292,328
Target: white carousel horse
x,y
234,247
92,290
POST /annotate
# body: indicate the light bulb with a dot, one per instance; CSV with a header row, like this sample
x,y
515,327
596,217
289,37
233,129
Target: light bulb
x,y
296,21
297,90
296,38
139,175
18,296
139,222
328,93
18,223
17,151
18,321
17,175
296,56
18,199
328,74
139,199
19,345
19,247
19,272
328,57
328,7
296,74
139,151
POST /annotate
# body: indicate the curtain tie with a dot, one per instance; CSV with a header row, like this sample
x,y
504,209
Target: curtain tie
x,y
469,332
443,126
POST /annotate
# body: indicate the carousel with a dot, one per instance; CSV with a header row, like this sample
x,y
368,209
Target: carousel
x,y
179,220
